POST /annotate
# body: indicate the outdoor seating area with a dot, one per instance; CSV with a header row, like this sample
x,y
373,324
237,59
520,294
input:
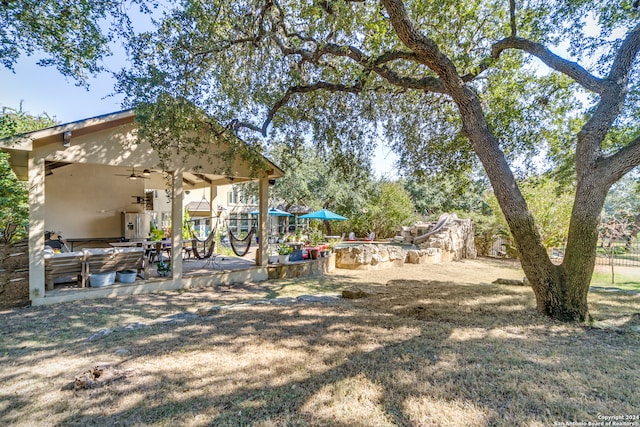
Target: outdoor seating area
x,y
69,267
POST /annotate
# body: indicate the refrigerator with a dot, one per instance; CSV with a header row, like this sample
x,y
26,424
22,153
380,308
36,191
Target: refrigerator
x,y
136,226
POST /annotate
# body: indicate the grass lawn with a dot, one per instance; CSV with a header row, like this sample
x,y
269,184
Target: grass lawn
x,y
627,278
430,346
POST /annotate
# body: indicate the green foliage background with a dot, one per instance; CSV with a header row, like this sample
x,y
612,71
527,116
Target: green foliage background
x,y
14,203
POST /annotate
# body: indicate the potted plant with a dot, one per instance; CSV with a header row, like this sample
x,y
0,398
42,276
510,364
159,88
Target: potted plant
x,y
284,251
315,239
273,257
164,268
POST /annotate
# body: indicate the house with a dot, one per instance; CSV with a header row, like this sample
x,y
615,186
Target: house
x,y
84,175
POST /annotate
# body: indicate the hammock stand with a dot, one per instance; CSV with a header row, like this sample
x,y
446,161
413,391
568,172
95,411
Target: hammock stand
x,y
239,246
208,244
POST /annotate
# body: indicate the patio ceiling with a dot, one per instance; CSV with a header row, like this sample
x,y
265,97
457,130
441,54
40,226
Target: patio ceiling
x,y
194,180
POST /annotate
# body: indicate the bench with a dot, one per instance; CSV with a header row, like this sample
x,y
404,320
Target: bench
x,y
77,266
63,266
119,259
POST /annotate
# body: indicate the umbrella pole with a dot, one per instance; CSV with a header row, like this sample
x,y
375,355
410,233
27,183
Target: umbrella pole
x,y
328,227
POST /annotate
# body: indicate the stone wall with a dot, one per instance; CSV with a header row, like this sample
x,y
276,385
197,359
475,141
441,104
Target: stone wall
x,y
14,275
451,239
313,267
454,239
451,236
369,257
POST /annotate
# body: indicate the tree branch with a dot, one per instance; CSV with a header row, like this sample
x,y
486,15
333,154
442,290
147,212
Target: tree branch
x,y
571,69
370,65
625,159
512,17
626,56
592,134
331,87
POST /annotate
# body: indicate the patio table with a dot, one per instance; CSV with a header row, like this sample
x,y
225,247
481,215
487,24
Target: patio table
x,y
125,244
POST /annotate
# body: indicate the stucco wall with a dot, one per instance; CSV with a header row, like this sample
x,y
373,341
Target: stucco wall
x,y
87,200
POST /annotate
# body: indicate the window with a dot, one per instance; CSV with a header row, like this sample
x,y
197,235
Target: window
x,y
233,196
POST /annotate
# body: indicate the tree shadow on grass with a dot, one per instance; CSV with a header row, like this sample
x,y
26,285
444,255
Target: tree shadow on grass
x,y
419,353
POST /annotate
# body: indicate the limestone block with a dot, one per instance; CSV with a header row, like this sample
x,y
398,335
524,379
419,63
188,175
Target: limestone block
x,y
368,256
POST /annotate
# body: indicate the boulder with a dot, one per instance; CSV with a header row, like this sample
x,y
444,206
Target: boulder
x,y
454,238
369,256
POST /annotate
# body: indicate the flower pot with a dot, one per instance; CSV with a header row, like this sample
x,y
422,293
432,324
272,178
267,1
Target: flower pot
x,y
98,280
313,253
273,259
283,259
126,276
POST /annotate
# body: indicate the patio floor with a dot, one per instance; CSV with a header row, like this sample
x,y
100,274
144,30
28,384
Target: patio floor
x,y
218,263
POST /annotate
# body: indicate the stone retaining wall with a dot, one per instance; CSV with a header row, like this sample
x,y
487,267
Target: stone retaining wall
x,y
370,257
313,267
450,242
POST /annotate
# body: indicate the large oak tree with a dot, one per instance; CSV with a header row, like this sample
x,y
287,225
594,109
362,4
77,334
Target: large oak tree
x,y
71,35
446,82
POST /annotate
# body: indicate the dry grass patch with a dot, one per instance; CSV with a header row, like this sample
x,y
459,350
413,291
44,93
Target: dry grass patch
x,y
419,352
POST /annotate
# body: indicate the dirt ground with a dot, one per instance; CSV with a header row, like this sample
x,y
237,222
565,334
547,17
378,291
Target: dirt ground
x,y
432,345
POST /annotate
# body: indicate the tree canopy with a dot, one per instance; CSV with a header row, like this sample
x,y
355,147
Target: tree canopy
x,y
14,206
446,83
72,36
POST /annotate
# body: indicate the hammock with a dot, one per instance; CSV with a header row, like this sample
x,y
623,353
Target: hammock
x,y
243,245
210,241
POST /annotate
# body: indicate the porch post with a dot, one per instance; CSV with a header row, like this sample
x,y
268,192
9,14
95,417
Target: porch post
x,y
262,256
176,224
36,227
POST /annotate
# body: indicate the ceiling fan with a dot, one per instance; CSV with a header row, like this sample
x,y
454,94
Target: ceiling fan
x,y
133,175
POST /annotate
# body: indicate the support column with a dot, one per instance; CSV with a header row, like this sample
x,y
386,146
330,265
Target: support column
x,y
36,227
176,224
213,194
262,256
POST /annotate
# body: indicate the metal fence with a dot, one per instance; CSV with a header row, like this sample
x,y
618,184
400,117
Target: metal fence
x,y
621,253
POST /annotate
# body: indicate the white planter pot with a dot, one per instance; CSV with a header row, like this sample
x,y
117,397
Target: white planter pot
x,y
283,259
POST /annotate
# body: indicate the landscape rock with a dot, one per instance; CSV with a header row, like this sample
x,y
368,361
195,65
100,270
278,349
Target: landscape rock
x,y
512,282
455,239
180,317
424,256
354,293
209,311
317,298
100,334
135,325
369,256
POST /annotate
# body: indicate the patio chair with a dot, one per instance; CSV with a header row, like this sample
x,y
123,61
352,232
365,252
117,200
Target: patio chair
x,y
98,261
131,259
67,266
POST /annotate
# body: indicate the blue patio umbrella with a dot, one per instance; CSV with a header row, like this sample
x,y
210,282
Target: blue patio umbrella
x,y
273,212
324,214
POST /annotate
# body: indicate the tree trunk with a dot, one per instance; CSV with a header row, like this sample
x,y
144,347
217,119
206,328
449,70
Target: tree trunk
x,y
561,291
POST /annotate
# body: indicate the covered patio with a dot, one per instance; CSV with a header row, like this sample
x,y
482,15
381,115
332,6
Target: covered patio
x,y
84,176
